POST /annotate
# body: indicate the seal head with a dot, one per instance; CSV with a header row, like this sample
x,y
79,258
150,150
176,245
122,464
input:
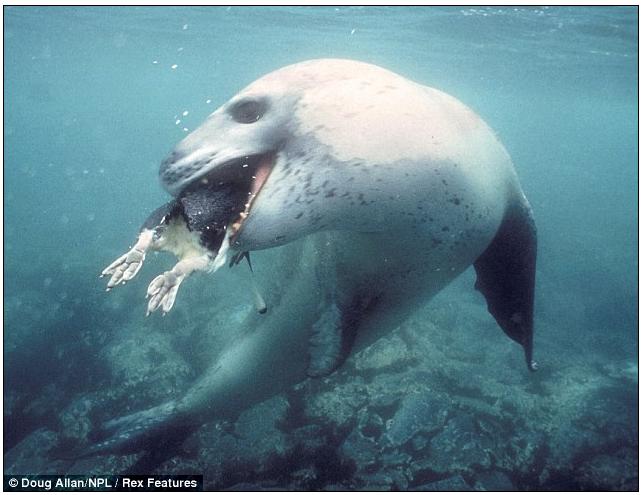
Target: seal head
x,y
327,140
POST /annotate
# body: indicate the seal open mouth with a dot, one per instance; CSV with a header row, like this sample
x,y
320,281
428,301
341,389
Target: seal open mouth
x,y
217,204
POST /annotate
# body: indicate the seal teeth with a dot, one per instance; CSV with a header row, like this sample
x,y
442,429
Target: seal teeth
x,y
259,175
235,227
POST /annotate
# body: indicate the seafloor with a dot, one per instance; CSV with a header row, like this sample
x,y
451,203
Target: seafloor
x,y
443,403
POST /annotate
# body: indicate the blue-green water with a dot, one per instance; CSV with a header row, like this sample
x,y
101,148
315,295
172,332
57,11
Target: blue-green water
x,y
93,100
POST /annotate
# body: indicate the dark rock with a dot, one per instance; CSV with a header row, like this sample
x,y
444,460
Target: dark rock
x,y
256,436
179,465
228,453
384,479
48,400
9,403
386,352
611,413
493,481
363,451
254,449
459,447
613,472
453,484
420,441
419,412
522,451
395,458
399,478
146,368
74,420
309,438
597,414
31,455
339,405
104,464
245,487
421,467
385,403
370,424
262,419
336,487
304,476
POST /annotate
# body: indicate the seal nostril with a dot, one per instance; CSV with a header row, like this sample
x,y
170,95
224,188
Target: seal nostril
x,y
168,176
172,158
167,166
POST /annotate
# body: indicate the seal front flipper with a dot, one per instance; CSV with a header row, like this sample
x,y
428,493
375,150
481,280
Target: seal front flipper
x,y
325,343
259,301
506,276
333,334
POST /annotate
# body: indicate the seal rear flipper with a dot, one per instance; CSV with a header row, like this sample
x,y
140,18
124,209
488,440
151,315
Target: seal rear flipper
x,y
506,276
134,432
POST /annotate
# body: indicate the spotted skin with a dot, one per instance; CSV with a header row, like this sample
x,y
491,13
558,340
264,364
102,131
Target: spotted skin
x,y
381,192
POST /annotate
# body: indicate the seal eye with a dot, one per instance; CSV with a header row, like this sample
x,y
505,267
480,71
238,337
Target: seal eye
x,y
248,111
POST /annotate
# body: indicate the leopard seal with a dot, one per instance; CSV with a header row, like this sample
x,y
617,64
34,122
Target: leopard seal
x,y
368,194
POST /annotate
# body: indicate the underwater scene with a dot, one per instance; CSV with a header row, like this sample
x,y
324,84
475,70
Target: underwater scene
x,y
372,297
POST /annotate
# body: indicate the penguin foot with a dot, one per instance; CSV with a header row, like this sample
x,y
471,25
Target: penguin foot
x,y
129,264
162,291
124,268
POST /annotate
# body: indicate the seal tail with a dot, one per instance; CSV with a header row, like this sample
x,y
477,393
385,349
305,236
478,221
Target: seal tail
x,y
135,432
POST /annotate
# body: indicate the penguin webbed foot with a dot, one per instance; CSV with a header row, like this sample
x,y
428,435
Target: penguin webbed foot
x,y
163,289
162,292
129,264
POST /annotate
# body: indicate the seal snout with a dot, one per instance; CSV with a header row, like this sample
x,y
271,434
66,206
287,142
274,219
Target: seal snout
x,y
181,168
170,173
